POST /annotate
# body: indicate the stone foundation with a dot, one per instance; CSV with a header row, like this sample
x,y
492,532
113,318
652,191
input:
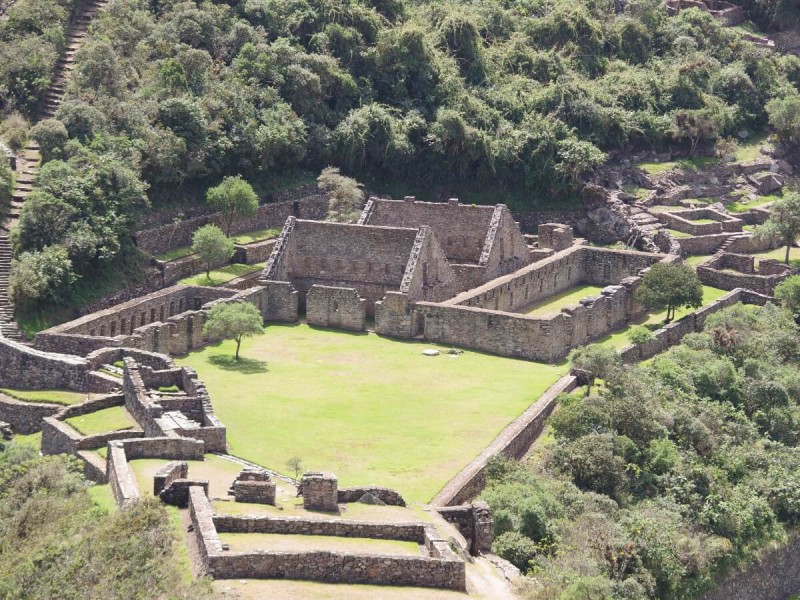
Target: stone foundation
x,y
320,491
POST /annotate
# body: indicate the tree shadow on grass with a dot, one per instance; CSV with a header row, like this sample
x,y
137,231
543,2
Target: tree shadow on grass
x,y
246,366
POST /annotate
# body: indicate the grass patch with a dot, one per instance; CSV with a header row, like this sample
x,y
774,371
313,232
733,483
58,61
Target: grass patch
x,y
32,440
655,319
693,261
169,389
740,206
174,254
685,164
750,149
47,396
679,234
779,254
223,274
102,497
375,411
250,237
554,304
103,421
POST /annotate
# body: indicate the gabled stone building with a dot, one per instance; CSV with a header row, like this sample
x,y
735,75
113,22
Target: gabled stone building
x,y
337,272
480,242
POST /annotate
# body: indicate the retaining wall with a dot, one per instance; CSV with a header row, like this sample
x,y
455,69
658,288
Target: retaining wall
x,y
26,368
406,532
25,417
513,442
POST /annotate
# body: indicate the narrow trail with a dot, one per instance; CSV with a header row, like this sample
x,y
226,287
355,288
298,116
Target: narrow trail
x,y
30,159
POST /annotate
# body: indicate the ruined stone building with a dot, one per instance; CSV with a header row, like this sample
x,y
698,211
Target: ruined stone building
x,y
480,242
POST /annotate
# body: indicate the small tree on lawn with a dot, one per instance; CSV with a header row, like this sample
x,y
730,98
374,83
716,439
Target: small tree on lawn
x,y
295,463
211,245
788,292
234,321
345,193
597,361
670,286
783,224
234,197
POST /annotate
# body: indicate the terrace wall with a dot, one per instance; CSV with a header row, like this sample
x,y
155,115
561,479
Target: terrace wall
x,y
25,417
406,532
310,205
729,271
684,221
26,368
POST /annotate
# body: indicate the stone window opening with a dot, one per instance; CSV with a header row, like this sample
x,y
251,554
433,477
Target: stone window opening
x,y
113,329
152,315
386,268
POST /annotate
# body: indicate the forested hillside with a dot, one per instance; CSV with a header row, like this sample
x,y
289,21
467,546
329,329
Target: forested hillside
x,y
668,475
490,101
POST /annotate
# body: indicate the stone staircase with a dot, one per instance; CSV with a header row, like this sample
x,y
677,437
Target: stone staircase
x,y
30,159
8,328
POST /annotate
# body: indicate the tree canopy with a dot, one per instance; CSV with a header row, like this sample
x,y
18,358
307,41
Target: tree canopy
x,y
670,286
234,320
783,224
212,246
234,198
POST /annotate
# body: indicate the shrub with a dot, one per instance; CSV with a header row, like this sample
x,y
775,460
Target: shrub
x,y
639,334
515,548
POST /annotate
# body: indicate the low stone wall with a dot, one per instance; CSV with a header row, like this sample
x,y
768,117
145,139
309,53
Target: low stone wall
x,y
25,417
25,368
309,205
177,469
674,332
529,221
92,405
202,516
774,576
120,476
388,496
474,522
685,221
256,252
728,271
513,442
172,448
406,532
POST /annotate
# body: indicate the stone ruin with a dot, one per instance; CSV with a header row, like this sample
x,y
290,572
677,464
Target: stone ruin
x,y
728,271
254,486
320,491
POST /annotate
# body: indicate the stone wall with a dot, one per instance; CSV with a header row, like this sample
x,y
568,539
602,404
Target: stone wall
x,y
167,237
729,271
319,491
513,442
177,469
406,532
26,368
121,479
256,252
25,417
529,221
336,307
281,301
684,221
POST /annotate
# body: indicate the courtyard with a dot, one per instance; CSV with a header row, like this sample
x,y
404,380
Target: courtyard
x,y
371,409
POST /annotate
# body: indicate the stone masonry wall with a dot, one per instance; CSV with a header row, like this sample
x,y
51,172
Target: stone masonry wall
x,y
388,496
25,417
729,271
406,532
167,237
26,368
336,307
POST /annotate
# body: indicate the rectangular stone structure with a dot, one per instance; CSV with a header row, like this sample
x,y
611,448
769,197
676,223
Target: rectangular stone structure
x,y
338,307
320,491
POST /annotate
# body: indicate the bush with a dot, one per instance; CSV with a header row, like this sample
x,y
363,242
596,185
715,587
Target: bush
x,y
51,135
639,334
515,548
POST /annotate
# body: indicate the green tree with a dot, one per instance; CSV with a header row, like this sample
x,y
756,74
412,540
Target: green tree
x,y
345,195
783,224
15,131
51,135
597,361
670,286
234,320
784,117
788,292
212,245
40,276
234,197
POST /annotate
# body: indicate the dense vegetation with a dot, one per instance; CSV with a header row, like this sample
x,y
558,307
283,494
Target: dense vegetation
x,y
668,474
55,542
488,100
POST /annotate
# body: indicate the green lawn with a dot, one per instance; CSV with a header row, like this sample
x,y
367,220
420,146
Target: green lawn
x,y
102,497
740,206
256,236
243,238
174,254
693,261
554,304
750,149
686,164
679,234
223,274
271,542
654,319
103,421
373,410
779,254
702,221
49,396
